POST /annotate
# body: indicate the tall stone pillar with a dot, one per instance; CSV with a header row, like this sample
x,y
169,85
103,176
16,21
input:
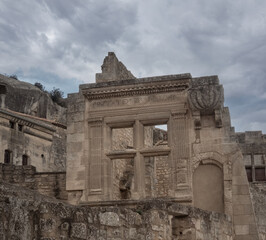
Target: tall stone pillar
x,y
95,166
179,143
139,171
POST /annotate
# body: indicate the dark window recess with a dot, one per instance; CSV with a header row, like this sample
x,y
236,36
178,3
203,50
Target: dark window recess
x,y
2,89
260,174
249,173
25,160
7,157
20,127
12,124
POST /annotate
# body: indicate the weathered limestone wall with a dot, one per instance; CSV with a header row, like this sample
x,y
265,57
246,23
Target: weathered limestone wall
x,y
214,145
253,148
48,184
25,214
76,164
44,146
258,193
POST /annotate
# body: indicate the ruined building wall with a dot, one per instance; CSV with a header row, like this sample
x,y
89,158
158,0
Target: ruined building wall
x,y
44,145
48,184
200,138
258,193
253,148
76,163
34,216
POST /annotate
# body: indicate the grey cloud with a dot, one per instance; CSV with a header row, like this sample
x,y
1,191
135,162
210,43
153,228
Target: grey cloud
x,y
66,42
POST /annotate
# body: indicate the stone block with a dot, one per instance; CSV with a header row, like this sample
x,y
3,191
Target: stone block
x,y
109,219
244,219
241,189
75,137
241,199
79,230
242,209
242,229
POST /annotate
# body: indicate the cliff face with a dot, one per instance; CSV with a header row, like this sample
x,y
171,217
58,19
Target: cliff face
x,y
26,98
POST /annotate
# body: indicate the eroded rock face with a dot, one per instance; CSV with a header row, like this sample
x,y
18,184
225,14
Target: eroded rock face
x,y
25,98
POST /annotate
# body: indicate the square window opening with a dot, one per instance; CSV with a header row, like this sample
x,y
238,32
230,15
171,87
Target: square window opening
x,y
155,135
12,124
20,127
122,138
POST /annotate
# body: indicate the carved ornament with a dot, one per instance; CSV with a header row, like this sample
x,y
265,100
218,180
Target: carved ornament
x,y
206,98
136,90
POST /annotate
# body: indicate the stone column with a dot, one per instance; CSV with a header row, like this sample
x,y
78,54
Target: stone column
x,y
107,169
139,166
95,166
179,143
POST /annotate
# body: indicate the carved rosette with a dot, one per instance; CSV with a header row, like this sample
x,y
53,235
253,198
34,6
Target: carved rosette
x,y
205,98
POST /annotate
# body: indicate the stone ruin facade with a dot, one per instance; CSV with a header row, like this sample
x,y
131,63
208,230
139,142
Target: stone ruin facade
x,y
146,158
199,165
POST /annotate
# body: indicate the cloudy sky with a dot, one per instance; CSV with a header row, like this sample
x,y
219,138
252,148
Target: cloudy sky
x,y
62,44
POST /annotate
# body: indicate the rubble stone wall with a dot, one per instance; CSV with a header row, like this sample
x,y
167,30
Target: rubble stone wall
x,y
49,184
258,194
25,214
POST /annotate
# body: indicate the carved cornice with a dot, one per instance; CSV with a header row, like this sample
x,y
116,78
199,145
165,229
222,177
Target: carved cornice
x,y
26,121
179,114
135,90
95,121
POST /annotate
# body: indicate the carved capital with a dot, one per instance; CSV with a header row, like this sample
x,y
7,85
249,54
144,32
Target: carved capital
x,y
206,97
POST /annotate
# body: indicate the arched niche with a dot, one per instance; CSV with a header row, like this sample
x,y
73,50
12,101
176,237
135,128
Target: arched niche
x,y
208,187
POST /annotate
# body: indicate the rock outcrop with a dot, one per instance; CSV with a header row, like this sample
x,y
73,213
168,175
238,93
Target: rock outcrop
x,y
25,98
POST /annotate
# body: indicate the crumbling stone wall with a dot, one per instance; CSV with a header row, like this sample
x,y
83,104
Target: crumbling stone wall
x,y
42,142
25,214
258,194
113,70
162,176
49,184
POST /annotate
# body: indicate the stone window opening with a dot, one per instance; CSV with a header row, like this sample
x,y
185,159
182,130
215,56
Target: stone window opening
x,y
43,159
25,160
155,135
255,167
12,124
3,89
123,178
20,127
122,138
125,183
8,157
